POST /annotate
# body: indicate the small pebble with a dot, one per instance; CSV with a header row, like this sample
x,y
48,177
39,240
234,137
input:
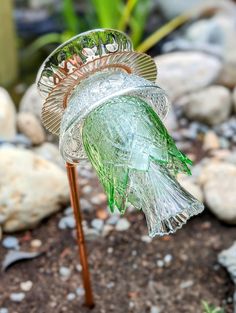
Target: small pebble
x,y
36,243
79,267
80,291
106,230
160,263
113,219
122,225
67,222
146,239
168,258
186,284
17,296
68,211
4,310
71,296
154,309
98,199
64,271
10,242
110,285
26,285
85,205
91,233
97,224
110,250
87,189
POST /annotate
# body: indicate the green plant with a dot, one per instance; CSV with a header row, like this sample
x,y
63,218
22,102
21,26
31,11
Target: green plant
x,y
130,15
211,308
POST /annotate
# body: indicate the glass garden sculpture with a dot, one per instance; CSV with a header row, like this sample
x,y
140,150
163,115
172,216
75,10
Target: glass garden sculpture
x,y
101,99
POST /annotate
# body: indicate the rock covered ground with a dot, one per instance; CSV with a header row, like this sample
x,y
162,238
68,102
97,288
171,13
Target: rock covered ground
x,y
170,274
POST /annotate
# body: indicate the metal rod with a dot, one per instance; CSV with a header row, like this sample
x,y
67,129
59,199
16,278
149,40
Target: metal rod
x,y
74,198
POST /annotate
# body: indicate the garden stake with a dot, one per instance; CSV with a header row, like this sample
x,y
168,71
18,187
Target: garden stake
x,y
101,99
74,198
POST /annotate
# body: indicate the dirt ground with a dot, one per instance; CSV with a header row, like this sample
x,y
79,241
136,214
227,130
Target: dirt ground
x,y
125,278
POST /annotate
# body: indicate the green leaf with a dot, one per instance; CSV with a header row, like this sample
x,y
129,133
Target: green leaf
x,y
70,17
108,12
211,308
126,13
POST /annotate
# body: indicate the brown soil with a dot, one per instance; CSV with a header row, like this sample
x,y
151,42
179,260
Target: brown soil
x,y
137,281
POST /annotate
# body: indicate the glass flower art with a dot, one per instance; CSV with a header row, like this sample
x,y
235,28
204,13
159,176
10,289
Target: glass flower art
x,y
102,100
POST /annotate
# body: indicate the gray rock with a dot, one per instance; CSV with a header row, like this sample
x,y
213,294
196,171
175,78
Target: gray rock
x,y
176,69
4,310
85,205
113,219
91,234
68,211
227,258
123,224
31,189
30,126
218,180
22,141
31,102
7,116
97,224
17,296
10,242
206,105
67,222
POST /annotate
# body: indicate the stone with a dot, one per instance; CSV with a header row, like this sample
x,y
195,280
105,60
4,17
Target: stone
x,y
67,222
65,271
183,72
113,219
29,125
106,230
188,183
31,189
218,180
71,296
227,258
186,284
50,152
4,310
234,100
97,224
7,116
36,243
155,309
211,141
26,285
123,224
146,239
17,296
167,258
211,105
31,102
91,234
160,263
10,242
80,292
227,76
85,205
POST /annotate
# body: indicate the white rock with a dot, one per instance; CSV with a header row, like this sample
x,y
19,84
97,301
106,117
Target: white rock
x,y
186,284
4,310
188,183
7,116
30,126
155,309
17,296
211,105
80,291
67,222
123,224
218,180
71,296
50,152
227,258
183,72
211,141
26,285
31,102
65,271
31,188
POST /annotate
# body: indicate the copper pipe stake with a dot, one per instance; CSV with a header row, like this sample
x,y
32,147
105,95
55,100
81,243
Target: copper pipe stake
x,y
74,198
